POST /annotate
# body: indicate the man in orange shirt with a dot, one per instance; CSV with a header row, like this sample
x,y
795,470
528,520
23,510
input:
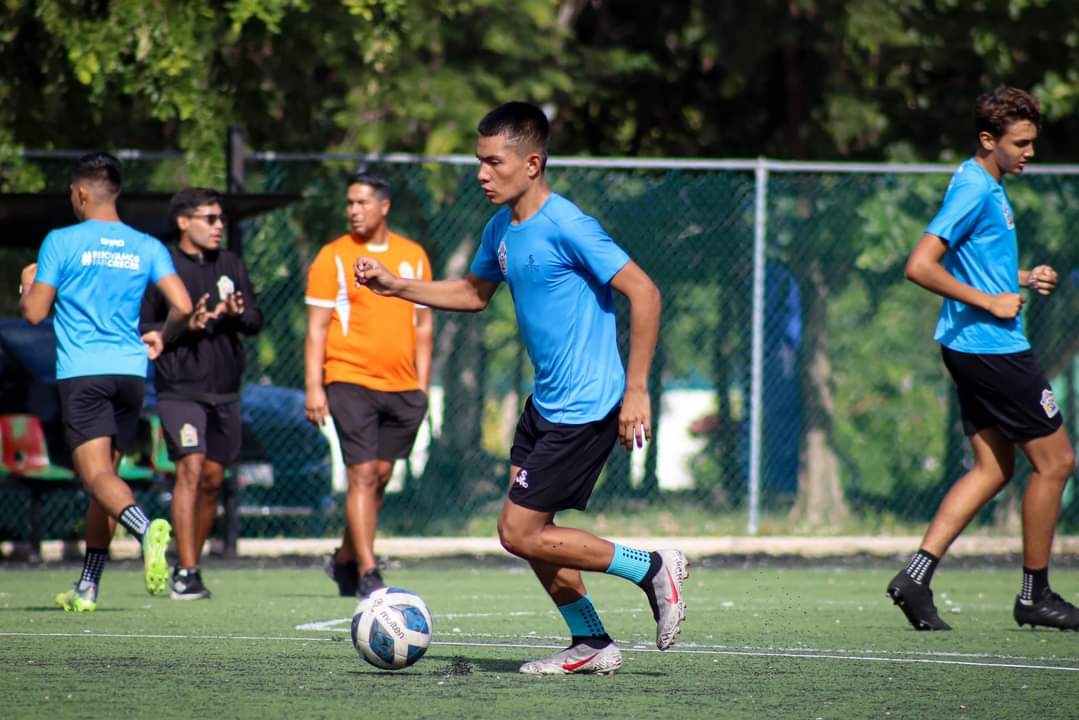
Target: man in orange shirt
x,y
367,363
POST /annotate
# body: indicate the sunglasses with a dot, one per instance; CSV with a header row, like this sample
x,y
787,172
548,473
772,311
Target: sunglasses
x,y
212,218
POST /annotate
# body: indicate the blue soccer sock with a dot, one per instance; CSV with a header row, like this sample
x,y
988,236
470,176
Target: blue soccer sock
x,y
630,563
582,619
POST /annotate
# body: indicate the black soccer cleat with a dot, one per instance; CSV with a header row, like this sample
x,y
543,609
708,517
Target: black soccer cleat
x,y
187,585
369,582
346,575
916,602
1050,610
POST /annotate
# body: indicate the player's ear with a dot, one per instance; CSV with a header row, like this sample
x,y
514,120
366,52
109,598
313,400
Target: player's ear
x,y
986,140
534,165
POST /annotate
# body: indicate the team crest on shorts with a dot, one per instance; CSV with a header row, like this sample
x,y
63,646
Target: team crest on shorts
x,y
189,436
1049,403
522,479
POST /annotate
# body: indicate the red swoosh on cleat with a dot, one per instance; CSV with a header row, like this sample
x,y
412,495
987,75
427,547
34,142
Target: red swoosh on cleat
x,y
674,588
571,666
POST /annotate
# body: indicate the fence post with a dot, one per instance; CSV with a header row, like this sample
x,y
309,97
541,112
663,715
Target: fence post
x,y
756,405
235,152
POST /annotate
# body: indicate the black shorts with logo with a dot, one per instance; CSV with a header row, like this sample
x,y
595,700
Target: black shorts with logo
x,y
373,424
1007,391
95,406
559,463
211,428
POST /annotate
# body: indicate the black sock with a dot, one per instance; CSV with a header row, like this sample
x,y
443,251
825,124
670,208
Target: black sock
x,y
921,567
134,519
92,566
596,642
1035,582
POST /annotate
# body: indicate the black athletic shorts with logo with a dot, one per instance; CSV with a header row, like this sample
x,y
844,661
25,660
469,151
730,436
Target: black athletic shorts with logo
x,y
95,406
1008,391
211,428
559,463
373,424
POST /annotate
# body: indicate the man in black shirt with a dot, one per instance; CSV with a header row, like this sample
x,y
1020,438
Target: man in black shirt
x,y
198,375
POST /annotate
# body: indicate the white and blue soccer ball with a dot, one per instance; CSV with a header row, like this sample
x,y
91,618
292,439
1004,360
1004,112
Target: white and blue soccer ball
x,y
391,628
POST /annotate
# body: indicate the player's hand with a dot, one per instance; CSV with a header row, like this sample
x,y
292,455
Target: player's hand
x,y
373,274
26,277
315,406
1042,279
201,316
232,305
154,344
635,419
1006,305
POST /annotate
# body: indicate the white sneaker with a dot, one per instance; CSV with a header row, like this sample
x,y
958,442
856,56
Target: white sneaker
x,y
577,659
665,595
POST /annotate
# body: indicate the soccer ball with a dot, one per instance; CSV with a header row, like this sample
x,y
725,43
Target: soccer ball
x,y
391,628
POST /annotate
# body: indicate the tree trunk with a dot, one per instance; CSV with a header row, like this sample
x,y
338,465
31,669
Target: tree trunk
x,y
820,502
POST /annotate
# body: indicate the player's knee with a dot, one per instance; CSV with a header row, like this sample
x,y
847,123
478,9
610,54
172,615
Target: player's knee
x,y
513,541
363,478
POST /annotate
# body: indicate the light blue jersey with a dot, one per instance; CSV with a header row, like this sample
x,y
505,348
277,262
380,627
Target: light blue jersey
x,y
977,223
558,265
100,271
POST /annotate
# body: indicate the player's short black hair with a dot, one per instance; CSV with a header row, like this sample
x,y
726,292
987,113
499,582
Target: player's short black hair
x,y
523,124
999,108
100,168
379,184
190,199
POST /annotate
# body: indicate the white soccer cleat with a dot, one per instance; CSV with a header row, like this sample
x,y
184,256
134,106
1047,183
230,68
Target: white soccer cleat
x,y
666,596
577,659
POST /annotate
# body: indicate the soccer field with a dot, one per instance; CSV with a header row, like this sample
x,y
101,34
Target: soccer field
x,y
759,642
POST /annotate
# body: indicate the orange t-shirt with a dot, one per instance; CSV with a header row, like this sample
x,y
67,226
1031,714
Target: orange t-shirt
x,y
371,339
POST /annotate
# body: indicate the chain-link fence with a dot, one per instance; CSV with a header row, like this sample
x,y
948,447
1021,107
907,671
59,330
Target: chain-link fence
x,y
796,384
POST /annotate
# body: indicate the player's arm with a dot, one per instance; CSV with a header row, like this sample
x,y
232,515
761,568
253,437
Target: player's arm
x,y
425,343
180,308
35,298
467,294
316,406
924,268
243,307
635,418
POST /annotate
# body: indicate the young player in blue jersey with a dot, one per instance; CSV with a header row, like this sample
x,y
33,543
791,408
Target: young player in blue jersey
x,y
96,273
969,255
560,266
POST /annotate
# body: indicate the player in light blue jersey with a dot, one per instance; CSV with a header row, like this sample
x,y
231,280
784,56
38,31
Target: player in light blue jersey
x,y
94,274
561,266
969,255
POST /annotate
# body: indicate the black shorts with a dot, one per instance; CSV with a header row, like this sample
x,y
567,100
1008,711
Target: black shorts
x,y
559,464
1007,391
193,426
95,406
375,425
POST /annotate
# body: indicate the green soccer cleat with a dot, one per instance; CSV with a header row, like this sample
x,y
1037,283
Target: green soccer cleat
x,y
75,600
154,544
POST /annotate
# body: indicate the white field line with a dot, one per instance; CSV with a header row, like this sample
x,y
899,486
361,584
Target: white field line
x,y
799,654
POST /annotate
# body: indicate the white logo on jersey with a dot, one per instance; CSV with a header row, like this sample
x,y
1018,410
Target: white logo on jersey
x,y
1007,214
502,259
108,258
225,287
112,242
405,270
